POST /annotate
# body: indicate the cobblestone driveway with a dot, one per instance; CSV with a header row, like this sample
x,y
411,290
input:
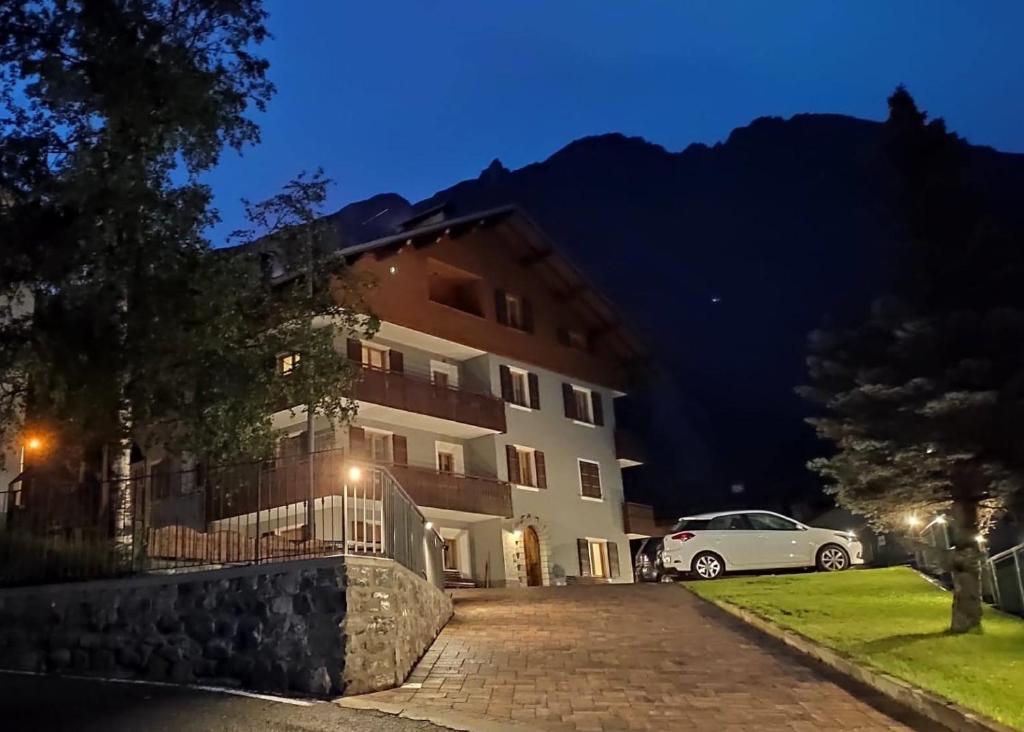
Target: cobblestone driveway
x,y
621,657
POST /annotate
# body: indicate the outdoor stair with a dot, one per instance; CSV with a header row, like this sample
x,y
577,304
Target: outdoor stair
x,y
453,580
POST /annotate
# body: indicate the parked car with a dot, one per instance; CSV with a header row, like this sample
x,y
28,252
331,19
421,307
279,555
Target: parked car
x,y
711,544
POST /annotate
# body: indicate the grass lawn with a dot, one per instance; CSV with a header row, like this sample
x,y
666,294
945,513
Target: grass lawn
x,y
895,621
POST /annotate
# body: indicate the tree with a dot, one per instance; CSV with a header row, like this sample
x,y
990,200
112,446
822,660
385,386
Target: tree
x,y
141,330
924,400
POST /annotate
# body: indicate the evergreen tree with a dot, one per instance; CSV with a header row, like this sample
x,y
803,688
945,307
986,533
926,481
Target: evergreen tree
x,y
924,401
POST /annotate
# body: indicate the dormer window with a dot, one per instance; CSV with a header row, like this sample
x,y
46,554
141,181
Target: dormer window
x,y
288,362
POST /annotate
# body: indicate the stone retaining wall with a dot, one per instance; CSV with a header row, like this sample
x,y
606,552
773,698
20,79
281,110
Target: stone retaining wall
x,y
317,627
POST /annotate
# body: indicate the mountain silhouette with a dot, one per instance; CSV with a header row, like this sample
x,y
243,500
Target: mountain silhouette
x,y
723,257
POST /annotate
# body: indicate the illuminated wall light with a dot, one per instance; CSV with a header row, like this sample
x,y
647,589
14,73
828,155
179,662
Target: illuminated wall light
x,y
429,525
940,519
354,473
913,521
33,443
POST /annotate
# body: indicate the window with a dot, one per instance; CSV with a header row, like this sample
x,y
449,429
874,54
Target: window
x,y
733,522
379,444
526,467
689,525
514,308
582,400
444,374
526,464
449,458
519,387
375,358
770,522
598,559
577,339
288,362
590,479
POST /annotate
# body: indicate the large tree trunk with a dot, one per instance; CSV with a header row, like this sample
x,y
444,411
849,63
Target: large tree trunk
x,y
965,567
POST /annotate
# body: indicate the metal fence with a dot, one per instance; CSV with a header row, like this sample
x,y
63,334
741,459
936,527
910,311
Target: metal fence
x,y
1002,574
159,520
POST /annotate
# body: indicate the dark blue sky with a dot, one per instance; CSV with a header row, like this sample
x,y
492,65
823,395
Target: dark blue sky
x,y
411,97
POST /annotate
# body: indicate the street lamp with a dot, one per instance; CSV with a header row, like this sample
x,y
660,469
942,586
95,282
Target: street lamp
x,y
913,521
34,443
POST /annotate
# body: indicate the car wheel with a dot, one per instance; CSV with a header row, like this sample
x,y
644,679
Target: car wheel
x,y
707,565
832,558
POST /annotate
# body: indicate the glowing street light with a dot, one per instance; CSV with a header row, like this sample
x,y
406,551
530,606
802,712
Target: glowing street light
x,y
940,519
34,443
913,521
355,473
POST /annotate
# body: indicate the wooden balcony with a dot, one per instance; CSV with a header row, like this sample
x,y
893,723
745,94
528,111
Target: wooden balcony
x,y
410,393
469,493
638,520
628,448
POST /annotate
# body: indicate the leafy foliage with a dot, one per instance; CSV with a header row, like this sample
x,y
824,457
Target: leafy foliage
x,y
130,325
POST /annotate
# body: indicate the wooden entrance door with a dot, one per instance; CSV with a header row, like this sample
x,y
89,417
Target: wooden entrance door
x,y
531,552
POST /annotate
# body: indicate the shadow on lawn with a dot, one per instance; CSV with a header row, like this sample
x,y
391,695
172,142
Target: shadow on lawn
x,y
894,642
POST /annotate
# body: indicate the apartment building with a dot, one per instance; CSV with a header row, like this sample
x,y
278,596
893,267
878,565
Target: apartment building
x,y
489,392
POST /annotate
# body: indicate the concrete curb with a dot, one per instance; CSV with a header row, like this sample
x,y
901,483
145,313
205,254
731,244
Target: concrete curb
x,y
459,721
927,704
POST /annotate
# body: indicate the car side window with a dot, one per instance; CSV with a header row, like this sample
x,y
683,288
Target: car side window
x,y
735,522
769,522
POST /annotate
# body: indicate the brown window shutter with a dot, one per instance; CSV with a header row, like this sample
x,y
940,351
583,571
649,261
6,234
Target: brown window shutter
x,y
542,472
527,315
399,449
598,408
613,559
583,548
355,350
501,307
570,401
357,441
505,377
534,383
512,457
590,479
396,361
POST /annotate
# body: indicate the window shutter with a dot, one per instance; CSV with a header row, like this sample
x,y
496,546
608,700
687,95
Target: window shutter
x,y
501,307
598,408
355,350
534,382
399,450
583,548
505,376
512,457
527,315
613,559
542,473
396,361
570,401
357,441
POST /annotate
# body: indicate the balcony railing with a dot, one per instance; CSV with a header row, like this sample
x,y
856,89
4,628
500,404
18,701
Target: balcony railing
x,y
413,393
638,518
628,446
455,492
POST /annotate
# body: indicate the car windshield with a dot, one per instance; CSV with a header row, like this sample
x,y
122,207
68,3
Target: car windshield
x,y
690,525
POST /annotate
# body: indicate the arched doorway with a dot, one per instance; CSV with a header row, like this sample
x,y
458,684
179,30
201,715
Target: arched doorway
x,y
531,553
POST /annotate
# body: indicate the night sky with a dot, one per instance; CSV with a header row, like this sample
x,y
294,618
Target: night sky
x,y
411,97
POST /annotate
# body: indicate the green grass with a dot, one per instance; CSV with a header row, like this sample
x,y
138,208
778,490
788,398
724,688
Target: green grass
x,y
894,621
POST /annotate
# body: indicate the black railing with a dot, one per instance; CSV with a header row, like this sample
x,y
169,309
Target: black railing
x,y
267,511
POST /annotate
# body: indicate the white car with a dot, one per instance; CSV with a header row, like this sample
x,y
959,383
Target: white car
x,y
711,544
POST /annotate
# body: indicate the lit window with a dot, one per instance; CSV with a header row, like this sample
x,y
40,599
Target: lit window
x,y
375,358
514,307
584,405
590,479
527,472
288,362
598,559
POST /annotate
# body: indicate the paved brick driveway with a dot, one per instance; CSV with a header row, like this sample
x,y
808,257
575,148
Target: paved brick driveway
x,y
641,657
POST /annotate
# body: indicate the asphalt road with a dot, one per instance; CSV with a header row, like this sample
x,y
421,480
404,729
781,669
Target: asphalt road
x,y
42,704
